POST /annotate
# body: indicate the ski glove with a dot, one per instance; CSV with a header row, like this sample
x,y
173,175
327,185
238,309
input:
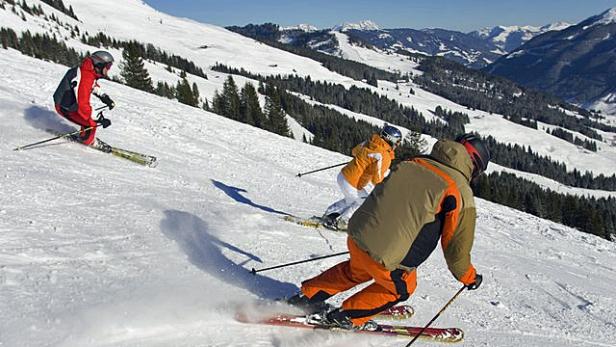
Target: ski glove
x,y
107,101
104,122
476,284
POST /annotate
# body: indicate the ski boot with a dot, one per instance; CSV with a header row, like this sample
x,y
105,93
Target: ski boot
x,y
329,221
340,320
101,146
309,306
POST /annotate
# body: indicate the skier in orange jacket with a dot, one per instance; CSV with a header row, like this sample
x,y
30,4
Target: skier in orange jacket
x,y
370,165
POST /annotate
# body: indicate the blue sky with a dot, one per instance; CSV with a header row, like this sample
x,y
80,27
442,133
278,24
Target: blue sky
x,y
463,15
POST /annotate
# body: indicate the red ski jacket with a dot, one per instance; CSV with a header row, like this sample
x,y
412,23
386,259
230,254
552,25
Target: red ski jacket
x,y
73,94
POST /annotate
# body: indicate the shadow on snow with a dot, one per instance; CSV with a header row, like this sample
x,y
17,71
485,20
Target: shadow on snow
x,y
45,119
235,194
204,250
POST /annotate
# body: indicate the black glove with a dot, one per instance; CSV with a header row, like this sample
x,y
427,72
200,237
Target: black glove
x,y
476,284
107,101
104,122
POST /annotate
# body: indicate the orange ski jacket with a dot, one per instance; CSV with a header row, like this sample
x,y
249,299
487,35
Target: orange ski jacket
x,y
371,160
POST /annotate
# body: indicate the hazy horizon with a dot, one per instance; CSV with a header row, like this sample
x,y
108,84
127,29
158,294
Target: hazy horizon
x,y
460,15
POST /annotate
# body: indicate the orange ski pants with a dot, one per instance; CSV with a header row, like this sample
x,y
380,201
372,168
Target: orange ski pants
x,y
388,288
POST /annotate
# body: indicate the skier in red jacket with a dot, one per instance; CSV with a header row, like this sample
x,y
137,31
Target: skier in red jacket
x,y
72,97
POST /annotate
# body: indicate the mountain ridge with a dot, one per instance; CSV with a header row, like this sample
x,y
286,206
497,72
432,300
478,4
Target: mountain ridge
x,y
577,63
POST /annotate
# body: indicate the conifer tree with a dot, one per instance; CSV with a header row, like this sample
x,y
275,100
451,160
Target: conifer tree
x,y
250,109
195,95
231,99
412,144
133,70
185,94
276,120
218,103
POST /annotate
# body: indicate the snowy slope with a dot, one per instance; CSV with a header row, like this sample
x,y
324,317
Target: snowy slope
x,y
97,251
387,61
509,38
135,20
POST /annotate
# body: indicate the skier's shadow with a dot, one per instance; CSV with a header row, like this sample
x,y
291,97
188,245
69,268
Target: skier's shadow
x,y
204,250
236,194
45,119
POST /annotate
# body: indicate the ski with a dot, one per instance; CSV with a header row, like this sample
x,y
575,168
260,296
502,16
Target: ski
x,y
135,157
450,335
312,222
397,313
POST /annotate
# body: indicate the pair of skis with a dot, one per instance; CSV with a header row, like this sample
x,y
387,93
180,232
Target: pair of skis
x,y
396,313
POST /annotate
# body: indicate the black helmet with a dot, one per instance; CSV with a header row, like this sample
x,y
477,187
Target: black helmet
x,y
101,60
479,153
392,135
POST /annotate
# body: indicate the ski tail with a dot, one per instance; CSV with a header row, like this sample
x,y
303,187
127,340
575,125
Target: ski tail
x,y
313,222
396,313
135,157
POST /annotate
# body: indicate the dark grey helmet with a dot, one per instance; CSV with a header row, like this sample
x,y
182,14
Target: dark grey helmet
x,y
101,59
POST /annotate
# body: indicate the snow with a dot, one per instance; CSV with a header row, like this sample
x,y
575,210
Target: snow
x,y
500,35
607,106
387,61
302,27
184,37
97,251
362,25
556,26
605,18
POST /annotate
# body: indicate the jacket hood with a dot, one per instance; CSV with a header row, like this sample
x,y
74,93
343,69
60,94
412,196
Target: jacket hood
x,y
454,155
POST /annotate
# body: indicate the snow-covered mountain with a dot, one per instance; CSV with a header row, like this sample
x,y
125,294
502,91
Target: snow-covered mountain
x,y
301,27
97,251
362,25
577,63
475,49
509,38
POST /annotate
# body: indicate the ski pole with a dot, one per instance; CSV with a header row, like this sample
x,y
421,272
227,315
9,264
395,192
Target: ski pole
x,y
254,272
63,135
322,169
53,138
437,315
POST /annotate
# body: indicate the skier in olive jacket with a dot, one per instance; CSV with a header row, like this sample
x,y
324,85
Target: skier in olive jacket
x,y
426,199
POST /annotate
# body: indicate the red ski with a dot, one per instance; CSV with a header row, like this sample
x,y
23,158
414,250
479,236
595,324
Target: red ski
x,y
449,335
